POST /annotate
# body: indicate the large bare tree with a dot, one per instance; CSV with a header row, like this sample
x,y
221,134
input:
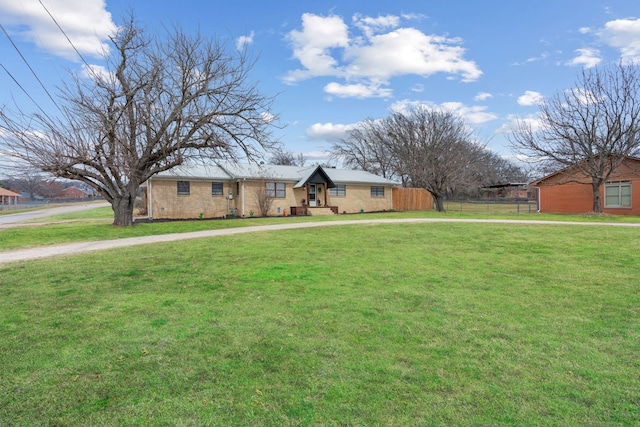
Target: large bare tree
x,y
163,100
366,147
434,149
284,157
588,129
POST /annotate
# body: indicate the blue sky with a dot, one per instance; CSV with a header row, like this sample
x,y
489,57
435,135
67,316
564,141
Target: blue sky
x,y
333,64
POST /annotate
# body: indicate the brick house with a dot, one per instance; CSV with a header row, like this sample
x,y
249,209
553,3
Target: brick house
x,y
569,191
231,188
8,197
73,193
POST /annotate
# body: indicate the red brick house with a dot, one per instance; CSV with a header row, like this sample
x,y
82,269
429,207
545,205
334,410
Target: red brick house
x,y
74,193
569,191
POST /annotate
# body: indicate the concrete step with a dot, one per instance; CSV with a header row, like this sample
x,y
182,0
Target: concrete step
x,y
320,212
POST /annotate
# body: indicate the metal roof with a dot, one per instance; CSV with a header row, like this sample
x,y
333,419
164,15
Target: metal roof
x,y
234,171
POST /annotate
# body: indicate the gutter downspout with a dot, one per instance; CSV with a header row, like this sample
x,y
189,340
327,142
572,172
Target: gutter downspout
x,y
242,195
150,210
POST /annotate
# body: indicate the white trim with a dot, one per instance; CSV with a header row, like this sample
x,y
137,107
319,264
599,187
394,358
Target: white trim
x,y
150,196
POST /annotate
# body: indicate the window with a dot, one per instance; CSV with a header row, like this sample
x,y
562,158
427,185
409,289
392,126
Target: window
x,y
217,189
184,188
377,191
339,190
617,194
276,189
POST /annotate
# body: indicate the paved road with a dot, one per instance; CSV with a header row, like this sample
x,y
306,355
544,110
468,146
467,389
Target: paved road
x,y
81,247
44,213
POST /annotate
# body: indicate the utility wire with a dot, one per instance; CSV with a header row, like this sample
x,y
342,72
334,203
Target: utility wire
x,y
89,68
27,93
30,68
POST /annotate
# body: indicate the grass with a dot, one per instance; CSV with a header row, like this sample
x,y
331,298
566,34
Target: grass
x,y
431,324
91,225
482,207
102,213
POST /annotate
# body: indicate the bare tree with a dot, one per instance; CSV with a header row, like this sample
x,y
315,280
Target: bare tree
x,y
492,169
28,181
287,158
366,147
434,149
265,193
51,189
588,129
163,101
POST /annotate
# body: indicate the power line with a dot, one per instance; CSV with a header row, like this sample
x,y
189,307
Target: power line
x,y
89,68
27,93
30,68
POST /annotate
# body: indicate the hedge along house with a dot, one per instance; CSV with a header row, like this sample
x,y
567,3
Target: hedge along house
x,y
569,191
219,190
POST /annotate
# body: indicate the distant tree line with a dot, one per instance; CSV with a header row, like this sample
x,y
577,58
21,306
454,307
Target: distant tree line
x,y
35,185
426,148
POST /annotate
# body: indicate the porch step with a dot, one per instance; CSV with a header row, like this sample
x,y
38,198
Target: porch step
x,y
320,212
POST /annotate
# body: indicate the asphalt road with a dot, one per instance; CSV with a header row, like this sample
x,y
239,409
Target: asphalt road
x,y
82,247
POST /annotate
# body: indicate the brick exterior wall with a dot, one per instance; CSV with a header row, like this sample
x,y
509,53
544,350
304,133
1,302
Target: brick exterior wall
x,y
167,204
556,195
358,197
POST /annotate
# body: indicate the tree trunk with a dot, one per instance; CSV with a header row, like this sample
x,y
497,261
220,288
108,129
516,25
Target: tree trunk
x,y
597,200
123,210
438,200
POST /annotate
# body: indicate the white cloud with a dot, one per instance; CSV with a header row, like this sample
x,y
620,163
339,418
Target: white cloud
x,y
483,96
514,122
87,23
325,47
92,71
370,25
587,57
584,30
474,114
623,34
357,90
243,41
409,51
312,46
530,98
328,131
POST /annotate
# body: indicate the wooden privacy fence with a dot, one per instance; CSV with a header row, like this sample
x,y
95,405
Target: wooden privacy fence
x,y
412,199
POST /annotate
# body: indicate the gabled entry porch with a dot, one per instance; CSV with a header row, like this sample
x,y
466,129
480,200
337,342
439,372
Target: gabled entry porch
x,y
316,186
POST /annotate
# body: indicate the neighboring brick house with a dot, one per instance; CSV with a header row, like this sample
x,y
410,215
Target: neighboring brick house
x,y
73,193
569,191
231,188
8,197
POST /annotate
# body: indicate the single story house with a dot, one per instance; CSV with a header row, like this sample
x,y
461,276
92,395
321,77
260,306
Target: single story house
x,y
229,188
569,191
8,197
73,193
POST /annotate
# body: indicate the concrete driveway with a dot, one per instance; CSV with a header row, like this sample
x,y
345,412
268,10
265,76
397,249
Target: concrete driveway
x,y
81,247
16,218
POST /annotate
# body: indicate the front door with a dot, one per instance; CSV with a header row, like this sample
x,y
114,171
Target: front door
x,y
312,195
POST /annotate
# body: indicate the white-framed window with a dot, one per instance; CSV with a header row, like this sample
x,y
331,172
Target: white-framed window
x,y
184,188
617,194
276,189
377,191
340,190
217,189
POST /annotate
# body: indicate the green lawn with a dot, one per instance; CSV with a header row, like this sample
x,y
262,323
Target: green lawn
x,y
95,224
408,324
